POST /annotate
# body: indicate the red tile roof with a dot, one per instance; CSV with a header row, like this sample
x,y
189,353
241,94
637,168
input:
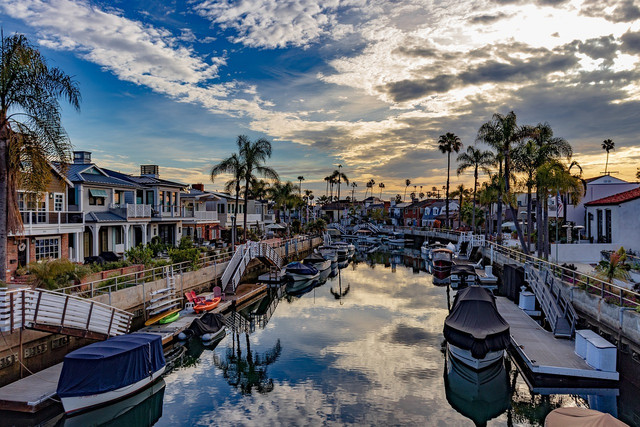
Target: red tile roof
x,y
616,198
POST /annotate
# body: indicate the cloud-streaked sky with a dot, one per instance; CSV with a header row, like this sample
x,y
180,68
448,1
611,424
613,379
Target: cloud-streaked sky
x,y
369,84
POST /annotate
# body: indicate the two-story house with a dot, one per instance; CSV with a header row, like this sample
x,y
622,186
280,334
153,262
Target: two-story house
x,y
200,214
50,230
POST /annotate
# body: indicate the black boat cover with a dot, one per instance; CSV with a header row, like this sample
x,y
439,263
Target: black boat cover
x,y
109,365
313,259
474,323
210,323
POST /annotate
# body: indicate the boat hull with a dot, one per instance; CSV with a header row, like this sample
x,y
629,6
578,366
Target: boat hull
x,y
321,266
77,404
214,336
465,357
301,277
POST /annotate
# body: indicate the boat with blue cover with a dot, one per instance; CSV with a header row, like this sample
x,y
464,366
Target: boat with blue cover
x,y
298,271
110,370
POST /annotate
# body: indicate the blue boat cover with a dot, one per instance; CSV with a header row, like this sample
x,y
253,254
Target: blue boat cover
x,y
109,365
300,268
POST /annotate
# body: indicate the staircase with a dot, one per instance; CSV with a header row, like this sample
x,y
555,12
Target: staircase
x,y
240,260
338,227
556,306
56,312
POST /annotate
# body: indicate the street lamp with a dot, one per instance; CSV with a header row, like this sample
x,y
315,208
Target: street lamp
x,y
579,228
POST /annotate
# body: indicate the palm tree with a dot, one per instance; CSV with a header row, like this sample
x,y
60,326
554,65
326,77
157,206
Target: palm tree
x,y
608,145
283,195
407,183
502,133
353,190
638,173
31,133
370,185
614,268
487,196
327,179
478,160
446,144
462,193
381,185
338,176
234,166
253,155
259,189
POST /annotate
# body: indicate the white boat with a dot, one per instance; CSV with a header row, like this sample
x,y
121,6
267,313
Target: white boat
x,y
344,245
317,261
328,253
465,357
296,271
110,370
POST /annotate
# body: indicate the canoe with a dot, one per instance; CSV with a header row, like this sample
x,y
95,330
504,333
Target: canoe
x,y
207,305
157,318
170,318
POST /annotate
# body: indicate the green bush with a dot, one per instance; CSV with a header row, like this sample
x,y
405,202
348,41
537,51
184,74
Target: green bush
x,y
185,243
140,255
185,255
57,273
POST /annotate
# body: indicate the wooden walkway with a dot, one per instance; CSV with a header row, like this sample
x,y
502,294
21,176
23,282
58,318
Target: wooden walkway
x,y
32,393
544,354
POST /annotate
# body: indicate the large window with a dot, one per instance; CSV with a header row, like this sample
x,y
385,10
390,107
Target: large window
x,y
607,225
48,248
58,202
599,225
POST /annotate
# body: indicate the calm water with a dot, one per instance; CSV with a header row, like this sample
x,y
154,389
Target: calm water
x,y
366,347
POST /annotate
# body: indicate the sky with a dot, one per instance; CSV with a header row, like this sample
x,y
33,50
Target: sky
x,y
368,84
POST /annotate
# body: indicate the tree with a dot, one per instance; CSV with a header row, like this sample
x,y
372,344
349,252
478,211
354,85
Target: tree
x,y
338,176
283,195
480,161
31,132
614,268
503,133
399,198
381,185
353,190
608,145
253,155
327,179
407,183
462,193
234,166
259,189
448,143
370,185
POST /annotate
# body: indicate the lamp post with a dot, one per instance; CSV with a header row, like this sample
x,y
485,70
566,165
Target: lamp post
x,y
579,228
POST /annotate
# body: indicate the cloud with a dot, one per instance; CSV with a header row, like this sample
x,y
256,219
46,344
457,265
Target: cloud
x,y
614,11
631,42
487,18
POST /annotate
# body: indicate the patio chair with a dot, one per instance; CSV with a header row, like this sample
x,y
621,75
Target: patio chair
x,y
197,299
217,292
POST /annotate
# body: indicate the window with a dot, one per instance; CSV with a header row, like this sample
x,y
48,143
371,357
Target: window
x,y
599,223
220,208
96,201
118,236
117,197
71,196
58,202
48,248
607,226
97,197
150,198
435,211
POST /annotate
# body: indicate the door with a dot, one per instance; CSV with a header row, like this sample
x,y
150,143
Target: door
x,y
103,242
87,241
23,251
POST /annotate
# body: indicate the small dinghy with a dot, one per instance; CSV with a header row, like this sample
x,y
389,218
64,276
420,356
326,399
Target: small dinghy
x,y
110,370
442,260
476,333
317,261
298,271
209,327
206,305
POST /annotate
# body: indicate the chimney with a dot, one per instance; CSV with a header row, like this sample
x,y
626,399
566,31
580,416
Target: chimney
x,y
81,157
199,186
150,170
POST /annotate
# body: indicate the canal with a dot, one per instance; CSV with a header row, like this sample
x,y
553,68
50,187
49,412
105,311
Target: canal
x,y
366,347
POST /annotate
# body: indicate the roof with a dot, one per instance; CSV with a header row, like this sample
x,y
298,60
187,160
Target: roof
x,y
333,206
608,179
75,173
103,217
143,180
616,199
192,193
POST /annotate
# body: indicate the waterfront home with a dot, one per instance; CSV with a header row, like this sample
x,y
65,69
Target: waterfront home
x,y
50,230
412,214
396,212
336,211
614,220
115,218
257,212
200,214
436,210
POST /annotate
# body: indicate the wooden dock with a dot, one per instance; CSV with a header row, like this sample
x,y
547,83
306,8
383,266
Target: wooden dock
x,y
32,393
545,356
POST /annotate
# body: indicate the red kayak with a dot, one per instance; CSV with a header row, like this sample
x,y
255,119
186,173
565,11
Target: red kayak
x,y
207,305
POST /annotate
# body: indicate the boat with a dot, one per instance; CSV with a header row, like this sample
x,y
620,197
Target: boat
x,y
478,395
476,333
110,370
318,261
462,275
170,318
486,277
300,287
207,305
441,260
159,317
351,249
583,417
426,248
328,253
298,271
209,327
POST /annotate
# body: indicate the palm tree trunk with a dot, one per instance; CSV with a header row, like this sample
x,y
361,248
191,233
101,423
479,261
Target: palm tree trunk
x,y
499,209
529,204
235,214
447,199
539,219
246,205
607,163
4,206
547,248
475,188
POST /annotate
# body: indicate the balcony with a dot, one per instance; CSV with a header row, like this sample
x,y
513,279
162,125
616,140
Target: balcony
x,y
131,211
200,215
164,211
43,222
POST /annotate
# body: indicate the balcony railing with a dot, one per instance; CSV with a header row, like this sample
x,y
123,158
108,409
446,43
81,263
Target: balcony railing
x,y
164,211
130,210
31,218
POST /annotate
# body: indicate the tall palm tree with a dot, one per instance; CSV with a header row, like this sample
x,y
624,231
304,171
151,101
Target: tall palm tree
x,y
283,195
31,132
608,145
461,192
448,143
259,189
234,166
353,190
503,133
339,176
253,155
300,179
381,185
407,183
370,185
487,196
327,179
480,161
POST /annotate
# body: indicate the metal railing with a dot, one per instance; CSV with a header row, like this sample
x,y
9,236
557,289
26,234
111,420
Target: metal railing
x,y
34,218
130,210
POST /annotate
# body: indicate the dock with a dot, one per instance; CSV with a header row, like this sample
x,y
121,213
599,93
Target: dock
x,y
544,356
32,393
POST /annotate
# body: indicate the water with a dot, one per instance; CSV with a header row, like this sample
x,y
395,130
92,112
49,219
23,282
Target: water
x,y
366,348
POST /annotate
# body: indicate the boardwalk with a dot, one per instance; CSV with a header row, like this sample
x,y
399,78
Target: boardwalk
x,y
32,393
544,354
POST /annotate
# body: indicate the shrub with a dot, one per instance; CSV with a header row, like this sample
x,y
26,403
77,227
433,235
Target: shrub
x,y
185,255
140,255
185,243
57,273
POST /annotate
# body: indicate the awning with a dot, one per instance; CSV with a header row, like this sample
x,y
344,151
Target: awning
x,y
98,193
275,227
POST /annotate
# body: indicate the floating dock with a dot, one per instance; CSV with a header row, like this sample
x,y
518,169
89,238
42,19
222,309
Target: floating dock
x,y
546,358
32,393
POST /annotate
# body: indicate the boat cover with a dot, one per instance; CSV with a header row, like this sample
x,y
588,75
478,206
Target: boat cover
x,y
313,259
299,268
463,269
570,417
210,323
109,365
474,323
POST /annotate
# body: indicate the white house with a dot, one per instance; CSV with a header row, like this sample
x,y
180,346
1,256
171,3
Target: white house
x,y
596,188
614,219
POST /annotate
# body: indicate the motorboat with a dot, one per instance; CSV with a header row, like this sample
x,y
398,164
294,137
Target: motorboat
x,y
209,327
476,333
328,252
110,370
441,261
351,249
301,287
478,395
462,275
318,261
297,271
426,248
342,252
576,416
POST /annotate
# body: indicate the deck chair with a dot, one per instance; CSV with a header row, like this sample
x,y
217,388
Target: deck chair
x,y
217,292
197,299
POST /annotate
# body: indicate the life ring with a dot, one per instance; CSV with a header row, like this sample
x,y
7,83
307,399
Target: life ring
x,y
22,246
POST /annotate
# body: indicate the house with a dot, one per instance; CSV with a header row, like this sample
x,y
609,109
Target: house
x,y
396,213
436,210
50,230
200,216
412,214
256,211
614,219
336,211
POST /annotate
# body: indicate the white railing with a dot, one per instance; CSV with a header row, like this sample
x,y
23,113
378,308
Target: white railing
x,y
242,267
241,258
338,227
55,312
206,215
232,265
138,211
36,218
